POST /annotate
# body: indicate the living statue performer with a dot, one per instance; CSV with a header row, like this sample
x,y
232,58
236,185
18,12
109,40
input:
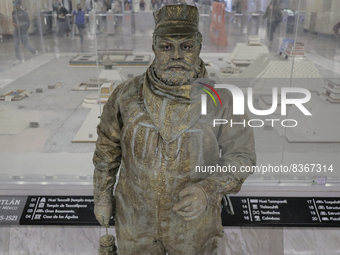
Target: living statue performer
x,y
152,129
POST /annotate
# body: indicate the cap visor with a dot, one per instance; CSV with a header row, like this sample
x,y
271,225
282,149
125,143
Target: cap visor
x,y
175,30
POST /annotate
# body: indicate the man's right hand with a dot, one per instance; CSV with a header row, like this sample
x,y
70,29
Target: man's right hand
x,y
103,214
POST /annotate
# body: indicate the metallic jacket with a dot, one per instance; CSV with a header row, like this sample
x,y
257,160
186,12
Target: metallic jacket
x,y
157,137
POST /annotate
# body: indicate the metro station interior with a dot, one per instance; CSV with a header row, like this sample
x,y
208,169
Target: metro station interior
x,y
50,100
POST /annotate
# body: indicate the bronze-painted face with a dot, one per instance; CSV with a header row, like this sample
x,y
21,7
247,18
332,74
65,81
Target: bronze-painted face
x,y
177,58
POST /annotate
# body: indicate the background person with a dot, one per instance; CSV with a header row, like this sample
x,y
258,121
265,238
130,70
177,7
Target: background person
x,y
159,4
154,4
80,20
21,24
88,6
68,5
98,5
164,3
117,7
142,5
63,25
273,15
107,5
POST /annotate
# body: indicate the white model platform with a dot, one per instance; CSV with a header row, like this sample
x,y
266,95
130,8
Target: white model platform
x,y
244,51
88,130
321,127
11,124
111,75
268,72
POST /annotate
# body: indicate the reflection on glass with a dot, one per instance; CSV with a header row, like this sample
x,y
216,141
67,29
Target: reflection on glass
x,y
64,52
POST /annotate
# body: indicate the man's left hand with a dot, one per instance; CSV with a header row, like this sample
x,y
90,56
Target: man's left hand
x,y
193,203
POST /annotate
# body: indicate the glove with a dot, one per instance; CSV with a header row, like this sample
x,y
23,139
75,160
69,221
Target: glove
x,y
192,204
103,214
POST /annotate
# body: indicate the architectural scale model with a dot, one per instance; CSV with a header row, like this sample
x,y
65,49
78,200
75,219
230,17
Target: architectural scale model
x,y
92,101
230,71
295,49
284,44
262,62
92,85
105,91
212,69
289,49
254,40
87,132
117,59
107,63
101,52
268,72
241,63
244,53
331,91
84,60
111,76
101,80
14,95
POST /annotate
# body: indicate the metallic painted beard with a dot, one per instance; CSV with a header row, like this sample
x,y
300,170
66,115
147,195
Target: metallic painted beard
x,y
176,78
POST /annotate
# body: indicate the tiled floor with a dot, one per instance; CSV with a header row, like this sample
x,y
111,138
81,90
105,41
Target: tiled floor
x,y
53,240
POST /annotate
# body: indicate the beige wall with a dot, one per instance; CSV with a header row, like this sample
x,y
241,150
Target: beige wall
x,y
6,8
328,13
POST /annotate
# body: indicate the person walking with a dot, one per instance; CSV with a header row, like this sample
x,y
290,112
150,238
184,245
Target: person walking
x,y
142,5
79,15
154,4
21,24
62,20
273,15
88,6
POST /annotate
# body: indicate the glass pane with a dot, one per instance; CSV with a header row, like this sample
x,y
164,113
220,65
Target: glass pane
x,y
312,147
49,87
50,96
255,32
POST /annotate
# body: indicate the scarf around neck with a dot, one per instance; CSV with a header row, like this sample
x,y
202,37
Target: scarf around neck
x,y
172,109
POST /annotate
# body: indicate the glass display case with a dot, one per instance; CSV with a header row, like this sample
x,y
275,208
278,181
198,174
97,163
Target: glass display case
x,y
53,94
60,60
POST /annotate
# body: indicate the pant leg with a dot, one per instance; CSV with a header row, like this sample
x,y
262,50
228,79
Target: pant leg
x,y
269,30
273,29
272,32
62,28
24,40
16,41
143,246
81,31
